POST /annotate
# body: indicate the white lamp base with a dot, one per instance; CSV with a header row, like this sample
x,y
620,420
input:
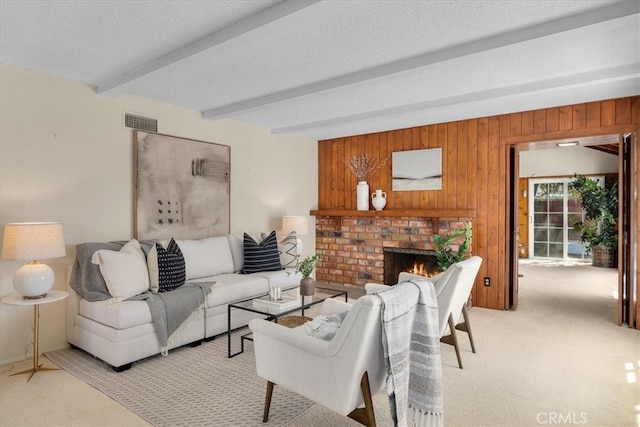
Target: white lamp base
x,y
33,280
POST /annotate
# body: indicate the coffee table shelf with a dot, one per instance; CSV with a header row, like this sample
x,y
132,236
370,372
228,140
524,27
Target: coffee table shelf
x,y
274,313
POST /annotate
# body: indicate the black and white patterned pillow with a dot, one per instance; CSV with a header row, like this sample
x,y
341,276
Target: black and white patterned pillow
x,y
288,249
167,270
261,256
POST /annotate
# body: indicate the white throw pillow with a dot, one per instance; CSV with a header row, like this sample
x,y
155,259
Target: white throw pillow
x,y
125,271
207,257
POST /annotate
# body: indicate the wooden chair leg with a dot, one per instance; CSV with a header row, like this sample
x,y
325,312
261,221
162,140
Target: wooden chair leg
x,y
452,339
466,327
267,401
365,416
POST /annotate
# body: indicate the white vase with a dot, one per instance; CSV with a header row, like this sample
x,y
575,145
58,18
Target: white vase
x,y
362,192
379,200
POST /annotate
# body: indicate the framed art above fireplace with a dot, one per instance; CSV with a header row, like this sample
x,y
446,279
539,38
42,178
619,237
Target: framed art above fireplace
x,y
417,170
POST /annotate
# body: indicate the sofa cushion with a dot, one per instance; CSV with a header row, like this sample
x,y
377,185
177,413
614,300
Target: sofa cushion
x,y
124,271
285,279
234,287
237,251
124,315
166,267
115,339
261,256
206,257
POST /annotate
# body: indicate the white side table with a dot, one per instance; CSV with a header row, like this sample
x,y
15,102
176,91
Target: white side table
x,y
50,296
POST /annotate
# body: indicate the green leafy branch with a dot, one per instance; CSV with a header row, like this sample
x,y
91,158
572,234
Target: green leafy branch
x,y
306,266
445,257
600,204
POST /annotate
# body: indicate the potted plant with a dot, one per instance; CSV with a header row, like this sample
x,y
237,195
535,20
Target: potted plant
x,y
599,230
445,257
305,267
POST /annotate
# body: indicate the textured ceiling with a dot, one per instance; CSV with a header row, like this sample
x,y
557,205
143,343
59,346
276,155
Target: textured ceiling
x,y
325,69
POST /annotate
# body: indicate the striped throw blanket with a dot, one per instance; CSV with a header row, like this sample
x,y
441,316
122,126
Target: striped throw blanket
x,y
410,337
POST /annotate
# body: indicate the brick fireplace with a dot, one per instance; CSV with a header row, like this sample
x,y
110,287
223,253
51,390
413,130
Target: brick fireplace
x,y
353,247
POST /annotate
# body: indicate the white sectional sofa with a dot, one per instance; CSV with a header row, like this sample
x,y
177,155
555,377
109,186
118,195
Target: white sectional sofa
x,y
123,332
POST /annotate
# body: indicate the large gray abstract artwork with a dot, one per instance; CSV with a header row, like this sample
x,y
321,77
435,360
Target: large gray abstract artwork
x,y
182,187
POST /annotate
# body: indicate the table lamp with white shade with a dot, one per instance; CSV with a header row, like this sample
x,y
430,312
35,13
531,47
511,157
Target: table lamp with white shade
x,y
33,241
299,224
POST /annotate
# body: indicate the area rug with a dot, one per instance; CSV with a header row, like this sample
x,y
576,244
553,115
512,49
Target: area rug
x,y
319,416
192,386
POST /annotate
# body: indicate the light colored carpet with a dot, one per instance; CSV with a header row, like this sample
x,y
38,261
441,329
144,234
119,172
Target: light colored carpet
x,y
559,359
192,386
319,416
57,398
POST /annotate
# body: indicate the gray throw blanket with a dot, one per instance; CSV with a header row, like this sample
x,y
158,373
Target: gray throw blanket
x,y
86,278
410,338
173,311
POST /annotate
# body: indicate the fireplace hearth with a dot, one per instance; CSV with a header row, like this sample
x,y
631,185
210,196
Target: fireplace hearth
x,y
353,246
416,261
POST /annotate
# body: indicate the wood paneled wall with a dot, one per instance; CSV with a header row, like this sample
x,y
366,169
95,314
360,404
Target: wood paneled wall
x,y
475,170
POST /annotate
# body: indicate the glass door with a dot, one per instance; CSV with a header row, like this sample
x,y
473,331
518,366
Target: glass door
x,y
547,219
552,211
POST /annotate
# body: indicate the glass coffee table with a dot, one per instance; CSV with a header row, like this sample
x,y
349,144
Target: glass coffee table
x,y
274,313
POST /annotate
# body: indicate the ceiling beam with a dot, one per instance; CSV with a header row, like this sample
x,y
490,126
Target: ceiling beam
x,y
621,73
260,20
609,12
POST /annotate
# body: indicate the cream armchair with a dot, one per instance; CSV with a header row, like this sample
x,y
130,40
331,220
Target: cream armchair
x,y
341,374
453,288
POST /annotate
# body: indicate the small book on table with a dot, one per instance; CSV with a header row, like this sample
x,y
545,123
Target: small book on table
x,y
284,303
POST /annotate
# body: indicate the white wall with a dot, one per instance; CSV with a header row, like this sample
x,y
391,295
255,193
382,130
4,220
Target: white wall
x,y
65,156
566,161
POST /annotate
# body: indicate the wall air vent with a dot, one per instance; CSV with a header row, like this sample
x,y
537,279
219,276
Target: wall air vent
x,y
135,121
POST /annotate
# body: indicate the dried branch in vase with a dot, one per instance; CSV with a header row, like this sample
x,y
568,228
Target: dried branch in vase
x,y
363,165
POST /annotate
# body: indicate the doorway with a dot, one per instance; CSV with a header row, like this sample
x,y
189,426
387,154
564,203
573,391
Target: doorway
x,y
542,180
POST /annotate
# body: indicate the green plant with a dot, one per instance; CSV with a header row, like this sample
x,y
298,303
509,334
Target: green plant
x,y
600,225
306,266
445,257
